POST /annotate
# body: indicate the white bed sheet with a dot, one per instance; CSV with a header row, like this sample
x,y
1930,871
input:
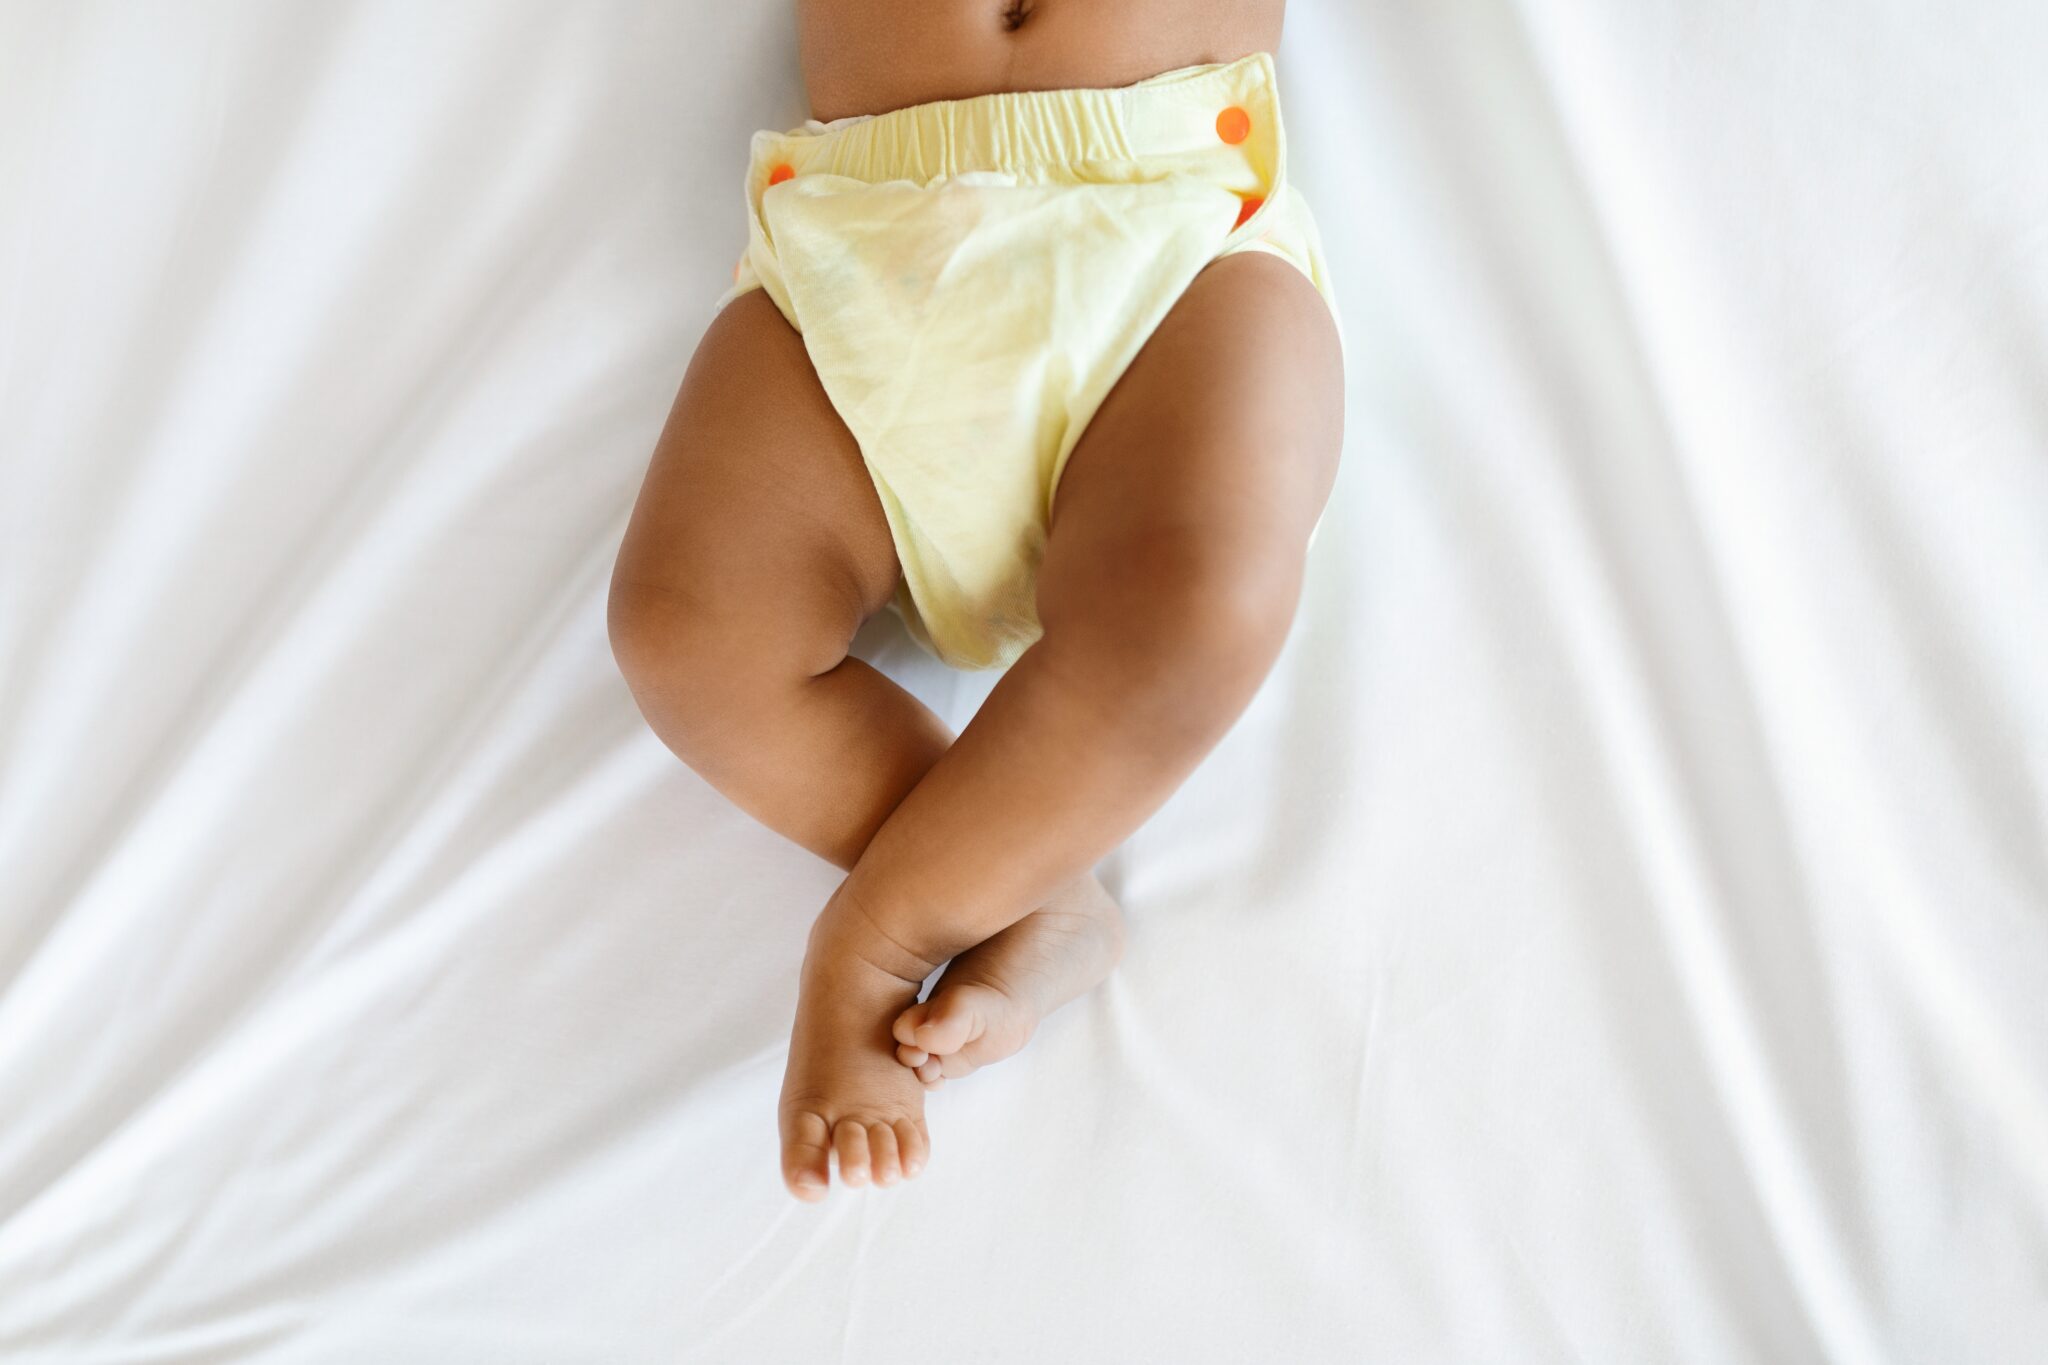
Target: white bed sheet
x,y
1618,931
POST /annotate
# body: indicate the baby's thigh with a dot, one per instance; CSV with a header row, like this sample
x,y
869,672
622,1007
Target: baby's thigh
x,y
756,508
1221,439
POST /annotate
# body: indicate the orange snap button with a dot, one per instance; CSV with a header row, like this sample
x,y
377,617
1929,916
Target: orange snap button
x,y
783,171
1233,125
1251,205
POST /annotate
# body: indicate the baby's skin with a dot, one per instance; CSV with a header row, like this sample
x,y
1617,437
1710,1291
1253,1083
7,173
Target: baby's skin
x,y
850,1094
992,996
1169,577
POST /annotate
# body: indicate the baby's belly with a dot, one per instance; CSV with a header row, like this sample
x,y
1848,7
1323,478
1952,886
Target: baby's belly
x,y
871,56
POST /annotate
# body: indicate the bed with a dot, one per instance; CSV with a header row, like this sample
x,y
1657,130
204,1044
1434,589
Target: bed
x,y
1618,931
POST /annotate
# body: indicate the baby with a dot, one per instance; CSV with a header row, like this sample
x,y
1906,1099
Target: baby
x,y
1032,342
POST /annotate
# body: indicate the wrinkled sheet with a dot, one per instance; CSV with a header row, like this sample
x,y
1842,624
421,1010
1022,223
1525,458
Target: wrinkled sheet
x,y
1617,932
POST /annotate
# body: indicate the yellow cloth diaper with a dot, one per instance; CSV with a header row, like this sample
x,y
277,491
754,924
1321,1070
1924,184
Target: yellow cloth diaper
x,y
970,277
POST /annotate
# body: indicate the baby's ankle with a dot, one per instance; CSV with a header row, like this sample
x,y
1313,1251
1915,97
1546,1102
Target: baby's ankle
x,y
851,924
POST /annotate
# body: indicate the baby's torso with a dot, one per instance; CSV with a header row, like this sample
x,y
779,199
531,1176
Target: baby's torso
x,y
871,56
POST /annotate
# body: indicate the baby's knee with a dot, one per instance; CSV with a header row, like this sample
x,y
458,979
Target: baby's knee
x,y
1239,610
1189,615
684,659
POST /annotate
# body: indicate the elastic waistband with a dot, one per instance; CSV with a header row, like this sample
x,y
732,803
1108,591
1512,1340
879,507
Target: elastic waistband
x,y
1223,117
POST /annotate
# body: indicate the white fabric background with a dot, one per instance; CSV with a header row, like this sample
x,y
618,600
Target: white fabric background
x,y
1618,931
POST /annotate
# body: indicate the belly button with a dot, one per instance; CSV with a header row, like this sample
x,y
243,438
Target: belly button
x,y
1015,12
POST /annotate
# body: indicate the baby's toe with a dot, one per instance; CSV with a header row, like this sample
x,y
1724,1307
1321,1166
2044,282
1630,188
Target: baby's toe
x,y
806,1156
850,1140
883,1156
906,1025
951,1021
912,1146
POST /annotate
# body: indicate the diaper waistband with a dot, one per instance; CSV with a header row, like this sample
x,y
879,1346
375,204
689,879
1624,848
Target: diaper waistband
x,y
1221,121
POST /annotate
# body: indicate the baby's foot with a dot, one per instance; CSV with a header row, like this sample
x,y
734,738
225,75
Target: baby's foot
x,y
844,1091
992,996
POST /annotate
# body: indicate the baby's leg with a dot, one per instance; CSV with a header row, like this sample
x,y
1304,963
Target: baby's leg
x,y
755,551
1170,577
